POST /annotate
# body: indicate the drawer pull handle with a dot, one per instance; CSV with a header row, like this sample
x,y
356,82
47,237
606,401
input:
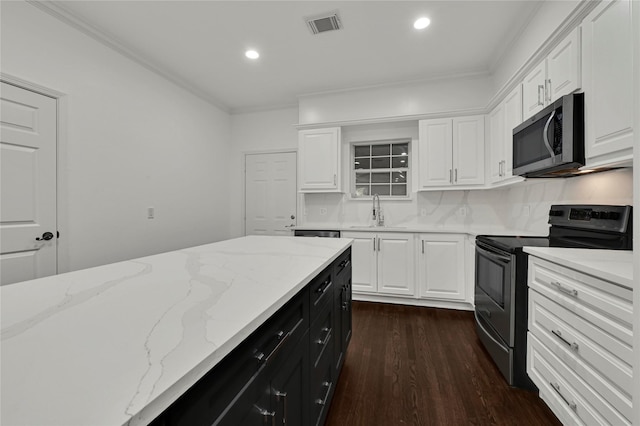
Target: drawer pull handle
x,y
266,414
325,285
326,337
282,396
571,404
323,401
569,291
573,345
344,264
282,337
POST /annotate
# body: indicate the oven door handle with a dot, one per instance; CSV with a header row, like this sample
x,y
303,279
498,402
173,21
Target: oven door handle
x,y
486,251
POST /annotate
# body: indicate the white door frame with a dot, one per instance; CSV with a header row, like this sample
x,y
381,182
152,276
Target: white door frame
x,y
244,181
62,243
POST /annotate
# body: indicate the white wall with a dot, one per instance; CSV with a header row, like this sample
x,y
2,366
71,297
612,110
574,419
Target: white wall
x,y
256,132
133,140
427,97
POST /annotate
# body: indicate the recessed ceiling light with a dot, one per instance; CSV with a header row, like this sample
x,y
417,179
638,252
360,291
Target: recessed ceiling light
x,y
251,54
421,23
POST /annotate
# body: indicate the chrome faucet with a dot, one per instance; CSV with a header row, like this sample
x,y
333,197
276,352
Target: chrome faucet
x,y
377,212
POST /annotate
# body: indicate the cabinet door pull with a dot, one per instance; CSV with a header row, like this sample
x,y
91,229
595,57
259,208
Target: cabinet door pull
x,y
547,89
571,404
282,338
335,179
374,244
422,246
570,291
456,174
324,286
540,94
266,414
327,336
450,176
573,345
282,396
323,401
378,244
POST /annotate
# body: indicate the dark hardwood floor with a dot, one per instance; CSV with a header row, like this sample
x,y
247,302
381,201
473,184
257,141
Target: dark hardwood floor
x,y
410,365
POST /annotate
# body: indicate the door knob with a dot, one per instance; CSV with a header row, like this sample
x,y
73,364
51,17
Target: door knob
x,y
45,237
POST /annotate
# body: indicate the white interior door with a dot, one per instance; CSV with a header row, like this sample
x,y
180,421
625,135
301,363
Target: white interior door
x,y
28,152
270,193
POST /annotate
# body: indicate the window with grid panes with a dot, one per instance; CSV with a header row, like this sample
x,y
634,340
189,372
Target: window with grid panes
x,y
381,168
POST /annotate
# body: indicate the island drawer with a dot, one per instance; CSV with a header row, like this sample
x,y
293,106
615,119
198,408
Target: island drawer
x,y
322,386
320,290
208,397
321,333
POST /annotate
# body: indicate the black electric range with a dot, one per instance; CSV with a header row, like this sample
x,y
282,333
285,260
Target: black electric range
x,y
501,301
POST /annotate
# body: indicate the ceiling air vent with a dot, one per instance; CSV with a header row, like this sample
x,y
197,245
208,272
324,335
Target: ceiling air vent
x,y
323,23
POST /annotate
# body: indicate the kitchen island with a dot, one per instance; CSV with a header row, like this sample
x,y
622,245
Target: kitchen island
x,y
119,343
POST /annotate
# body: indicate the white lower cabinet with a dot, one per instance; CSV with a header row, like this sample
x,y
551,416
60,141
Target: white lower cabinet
x,y
382,263
579,344
441,270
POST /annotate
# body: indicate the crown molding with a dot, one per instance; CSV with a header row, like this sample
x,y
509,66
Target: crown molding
x,y
394,119
64,15
473,74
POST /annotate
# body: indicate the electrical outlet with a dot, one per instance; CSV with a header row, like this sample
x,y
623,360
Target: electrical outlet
x,y
526,210
323,211
462,211
151,212
423,212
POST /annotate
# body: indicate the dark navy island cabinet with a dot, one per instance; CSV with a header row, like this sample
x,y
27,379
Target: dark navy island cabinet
x,y
284,373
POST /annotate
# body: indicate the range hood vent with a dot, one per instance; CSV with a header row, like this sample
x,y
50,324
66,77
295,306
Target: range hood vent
x,y
327,22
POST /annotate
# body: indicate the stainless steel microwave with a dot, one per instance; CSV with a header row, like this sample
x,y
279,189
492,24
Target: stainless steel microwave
x,y
551,143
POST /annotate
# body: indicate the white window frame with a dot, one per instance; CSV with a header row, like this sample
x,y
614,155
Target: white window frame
x,y
407,170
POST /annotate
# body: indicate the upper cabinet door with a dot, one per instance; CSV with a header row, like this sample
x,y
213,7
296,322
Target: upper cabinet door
x,y
557,75
435,156
512,119
319,160
497,143
468,150
563,68
533,90
608,79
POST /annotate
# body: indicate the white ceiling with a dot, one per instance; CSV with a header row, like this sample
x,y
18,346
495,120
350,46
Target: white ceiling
x,y
201,44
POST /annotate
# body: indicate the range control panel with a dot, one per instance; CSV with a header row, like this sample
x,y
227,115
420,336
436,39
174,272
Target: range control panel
x,y
602,217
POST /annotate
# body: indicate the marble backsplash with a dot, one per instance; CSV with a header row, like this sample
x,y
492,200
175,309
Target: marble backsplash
x,y
521,207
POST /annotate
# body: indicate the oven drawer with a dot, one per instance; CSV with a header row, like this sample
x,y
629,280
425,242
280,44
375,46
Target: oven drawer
x,y
568,396
603,303
584,348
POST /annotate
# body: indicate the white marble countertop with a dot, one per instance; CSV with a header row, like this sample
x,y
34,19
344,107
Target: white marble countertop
x,y
611,265
117,344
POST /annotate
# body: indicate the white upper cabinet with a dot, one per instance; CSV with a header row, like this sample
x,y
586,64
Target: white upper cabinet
x,y
451,152
319,160
557,75
497,143
512,119
502,120
608,80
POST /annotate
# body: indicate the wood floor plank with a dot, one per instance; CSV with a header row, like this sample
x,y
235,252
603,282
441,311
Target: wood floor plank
x,y
410,365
